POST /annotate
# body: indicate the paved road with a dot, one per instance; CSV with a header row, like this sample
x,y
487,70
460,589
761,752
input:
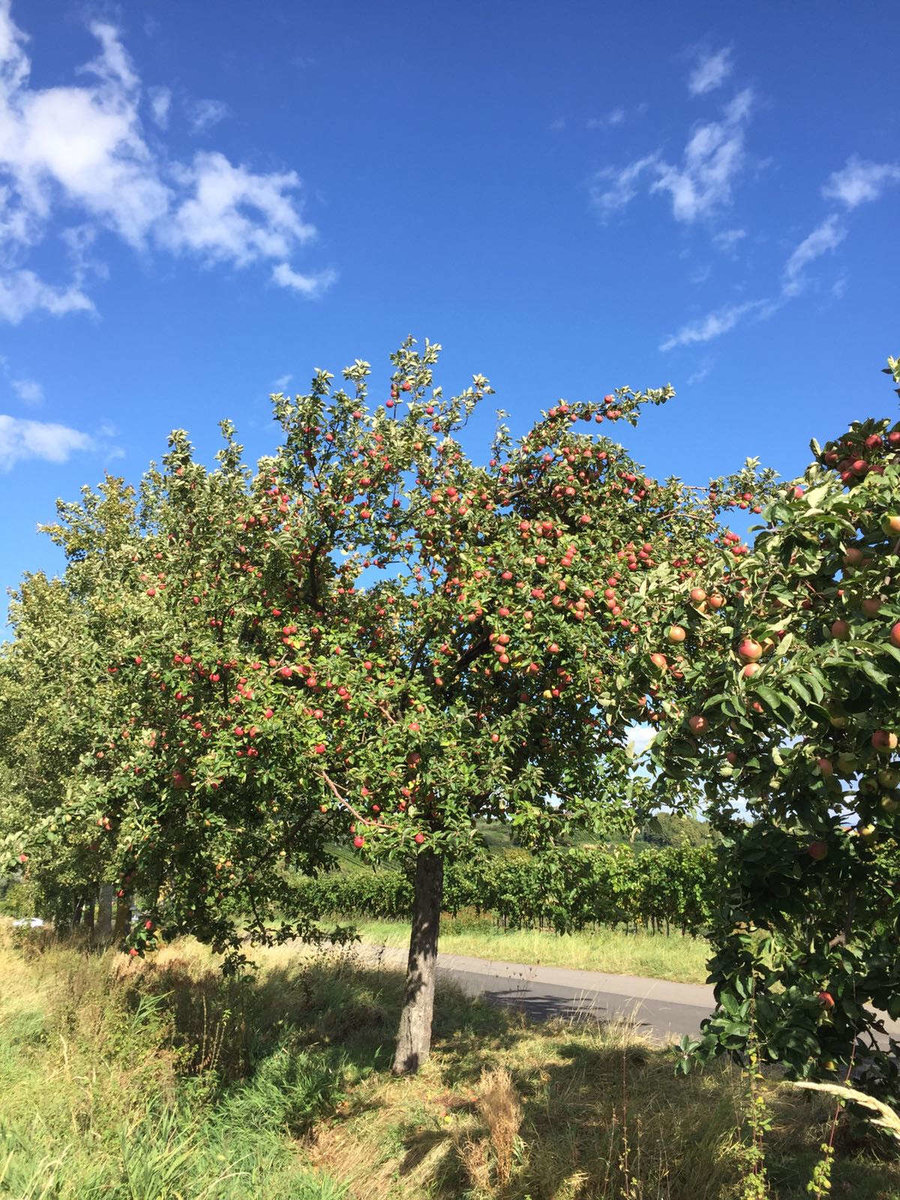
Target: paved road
x,y
658,1008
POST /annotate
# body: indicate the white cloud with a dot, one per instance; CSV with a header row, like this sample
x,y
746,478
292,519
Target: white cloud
x,y
710,72
824,237
29,391
160,104
640,738
615,116
700,184
82,148
713,325
613,190
728,239
859,181
21,440
233,215
713,158
702,372
204,114
307,285
22,293
282,382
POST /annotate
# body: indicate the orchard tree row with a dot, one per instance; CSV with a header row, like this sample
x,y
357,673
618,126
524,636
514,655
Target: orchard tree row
x,y
373,638
561,889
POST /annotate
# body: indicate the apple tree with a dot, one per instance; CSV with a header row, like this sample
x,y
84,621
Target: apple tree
x,y
373,638
788,710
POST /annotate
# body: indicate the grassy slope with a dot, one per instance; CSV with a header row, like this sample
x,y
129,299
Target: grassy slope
x,y
158,1080
614,951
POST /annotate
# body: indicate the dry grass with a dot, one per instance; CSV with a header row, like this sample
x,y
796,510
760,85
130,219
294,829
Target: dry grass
x,y
155,1079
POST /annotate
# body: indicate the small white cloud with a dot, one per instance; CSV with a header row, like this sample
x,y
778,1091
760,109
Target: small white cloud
x,y
234,215
824,237
557,125
29,391
710,72
204,114
614,117
306,285
701,373
728,239
713,158
640,738
613,190
700,184
713,325
281,382
22,293
858,182
20,440
160,104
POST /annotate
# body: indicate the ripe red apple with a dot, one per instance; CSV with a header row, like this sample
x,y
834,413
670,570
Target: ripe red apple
x,y
871,606
824,765
826,999
750,650
359,842
817,850
883,742
698,724
895,635
716,600
698,595
840,630
659,661
676,634
419,839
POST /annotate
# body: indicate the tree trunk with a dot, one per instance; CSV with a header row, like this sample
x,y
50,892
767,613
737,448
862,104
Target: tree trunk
x,y
87,915
104,912
414,1036
123,918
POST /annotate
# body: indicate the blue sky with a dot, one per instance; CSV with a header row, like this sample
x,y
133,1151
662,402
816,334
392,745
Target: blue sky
x,y
201,203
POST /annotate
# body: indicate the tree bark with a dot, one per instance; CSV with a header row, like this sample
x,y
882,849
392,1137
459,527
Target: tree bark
x,y
104,912
414,1036
123,918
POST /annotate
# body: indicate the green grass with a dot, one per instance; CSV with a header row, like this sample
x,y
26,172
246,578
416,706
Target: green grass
x,y
617,952
158,1080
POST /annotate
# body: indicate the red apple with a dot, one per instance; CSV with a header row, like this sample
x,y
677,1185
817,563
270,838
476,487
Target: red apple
x,y
676,634
840,630
698,724
826,999
895,635
817,850
883,742
359,842
749,650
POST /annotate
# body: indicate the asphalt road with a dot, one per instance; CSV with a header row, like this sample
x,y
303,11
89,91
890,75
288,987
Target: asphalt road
x,y
658,1008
